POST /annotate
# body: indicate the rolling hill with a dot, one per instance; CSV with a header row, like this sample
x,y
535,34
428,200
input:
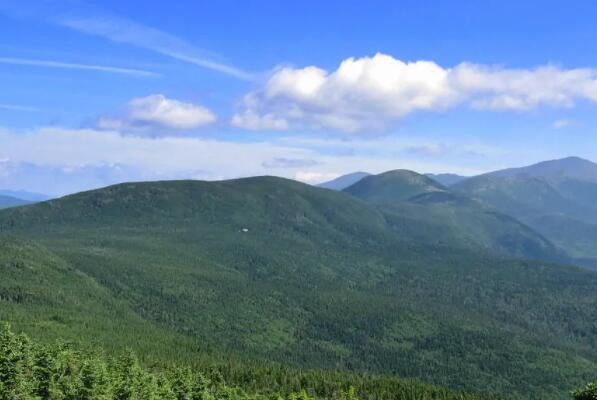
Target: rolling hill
x,y
271,269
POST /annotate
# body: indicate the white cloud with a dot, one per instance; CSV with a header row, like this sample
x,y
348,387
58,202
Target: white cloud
x,y
67,65
372,93
564,123
156,112
56,161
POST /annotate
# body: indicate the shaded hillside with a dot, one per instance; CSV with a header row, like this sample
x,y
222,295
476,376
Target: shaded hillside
x,y
557,198
271,269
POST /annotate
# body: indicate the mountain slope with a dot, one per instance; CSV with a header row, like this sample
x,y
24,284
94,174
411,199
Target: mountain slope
x,y
267,268
344,181
425,211
557,198
566,168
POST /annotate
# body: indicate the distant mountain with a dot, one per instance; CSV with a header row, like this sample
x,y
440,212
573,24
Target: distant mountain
x,y
447,179
344,181
271,269
557,198
393,186
423,210
24,195
574,168
8,201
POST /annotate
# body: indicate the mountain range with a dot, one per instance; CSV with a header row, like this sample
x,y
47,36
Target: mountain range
x,y
557,199
397,274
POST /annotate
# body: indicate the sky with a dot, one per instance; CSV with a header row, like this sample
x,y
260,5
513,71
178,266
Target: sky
x,y
94,93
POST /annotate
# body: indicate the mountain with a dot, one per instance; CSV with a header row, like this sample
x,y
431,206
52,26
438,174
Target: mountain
x,y
24,195
272,270
557,198
393,186
344,181
8,201
419,208
574,168
447,179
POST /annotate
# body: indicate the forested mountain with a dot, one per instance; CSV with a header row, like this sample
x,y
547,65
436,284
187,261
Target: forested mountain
x,y
9,201
344,181
393,186
271,269
556,198
418,207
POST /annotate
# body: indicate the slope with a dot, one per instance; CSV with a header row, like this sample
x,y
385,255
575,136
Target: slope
x,y
557,198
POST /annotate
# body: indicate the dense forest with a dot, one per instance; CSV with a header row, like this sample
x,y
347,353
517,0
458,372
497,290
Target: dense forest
x,y
33,370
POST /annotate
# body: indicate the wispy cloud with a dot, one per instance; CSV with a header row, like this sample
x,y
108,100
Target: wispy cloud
x,y
14,107
123,30
67,65
565,123
90,19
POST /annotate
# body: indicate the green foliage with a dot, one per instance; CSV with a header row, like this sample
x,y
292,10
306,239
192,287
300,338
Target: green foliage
x,y
587,393
319,280
31,370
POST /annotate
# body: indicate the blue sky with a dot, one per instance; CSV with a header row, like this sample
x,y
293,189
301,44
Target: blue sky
x,y
99,92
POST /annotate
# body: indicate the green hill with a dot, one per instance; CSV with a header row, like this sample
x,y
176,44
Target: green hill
x,y
271,269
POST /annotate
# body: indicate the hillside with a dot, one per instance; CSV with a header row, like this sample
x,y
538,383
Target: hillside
x,y
271,269
421,209
556,198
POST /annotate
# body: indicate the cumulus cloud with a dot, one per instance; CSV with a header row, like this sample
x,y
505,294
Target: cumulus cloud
x,y
371,93
156,113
